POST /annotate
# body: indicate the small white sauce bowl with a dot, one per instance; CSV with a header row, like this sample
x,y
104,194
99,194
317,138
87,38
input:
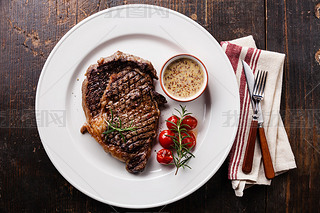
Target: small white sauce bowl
x,y
205,79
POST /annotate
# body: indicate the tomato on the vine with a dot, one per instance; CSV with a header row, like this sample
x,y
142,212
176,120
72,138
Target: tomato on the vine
x,y
189,141
174,119
165,139
190,122
164,156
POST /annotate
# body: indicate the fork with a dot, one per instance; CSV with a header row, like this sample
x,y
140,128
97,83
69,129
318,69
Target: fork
x,y
258,88
257,95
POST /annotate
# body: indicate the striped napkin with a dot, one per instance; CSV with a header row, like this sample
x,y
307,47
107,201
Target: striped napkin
x,y
279,146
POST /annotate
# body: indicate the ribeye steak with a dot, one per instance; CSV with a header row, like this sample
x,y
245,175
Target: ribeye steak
x,y
122,85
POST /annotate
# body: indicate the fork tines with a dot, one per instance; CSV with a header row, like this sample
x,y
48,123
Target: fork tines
x,y
260,83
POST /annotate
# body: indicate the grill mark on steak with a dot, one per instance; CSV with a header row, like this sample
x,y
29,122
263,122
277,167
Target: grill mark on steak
x,y
116,138
127,89
147,125
123,103
144,135
123,84
137,162
142,121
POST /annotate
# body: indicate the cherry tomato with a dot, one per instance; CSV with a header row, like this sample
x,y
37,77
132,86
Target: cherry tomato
x,y
189,141
174,119
165,140
164,156
190,121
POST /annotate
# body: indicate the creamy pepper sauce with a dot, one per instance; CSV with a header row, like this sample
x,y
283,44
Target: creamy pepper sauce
x,y
183,78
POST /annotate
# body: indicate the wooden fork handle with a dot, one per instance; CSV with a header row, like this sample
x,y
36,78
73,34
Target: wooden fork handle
x,y
267,162
248,156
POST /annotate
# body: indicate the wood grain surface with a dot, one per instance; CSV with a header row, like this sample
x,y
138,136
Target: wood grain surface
x,y
29,30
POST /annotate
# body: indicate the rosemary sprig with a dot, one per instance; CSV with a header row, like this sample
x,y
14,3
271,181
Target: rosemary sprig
x,y
183,152
117,126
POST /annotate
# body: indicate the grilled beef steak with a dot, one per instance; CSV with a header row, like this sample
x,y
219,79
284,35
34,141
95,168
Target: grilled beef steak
x,y
122,85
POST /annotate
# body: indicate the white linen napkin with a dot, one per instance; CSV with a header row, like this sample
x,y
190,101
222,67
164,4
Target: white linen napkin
x,y
278,142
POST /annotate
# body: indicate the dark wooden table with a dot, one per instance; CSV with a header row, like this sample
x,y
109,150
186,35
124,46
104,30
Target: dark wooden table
x,y
29,30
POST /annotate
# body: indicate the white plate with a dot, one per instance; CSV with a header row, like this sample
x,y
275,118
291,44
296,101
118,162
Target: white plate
x,y
153,33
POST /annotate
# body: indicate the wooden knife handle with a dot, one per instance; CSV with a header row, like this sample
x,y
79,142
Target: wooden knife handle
x,y
248,157
267,162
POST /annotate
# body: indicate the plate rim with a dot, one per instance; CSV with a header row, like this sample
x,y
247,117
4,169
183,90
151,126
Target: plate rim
x,y
48,152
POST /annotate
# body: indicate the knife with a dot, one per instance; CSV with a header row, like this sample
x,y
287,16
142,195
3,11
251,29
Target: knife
x,y
256,123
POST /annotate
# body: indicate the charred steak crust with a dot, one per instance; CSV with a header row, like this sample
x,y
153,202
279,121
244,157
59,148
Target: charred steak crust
x,y
123,84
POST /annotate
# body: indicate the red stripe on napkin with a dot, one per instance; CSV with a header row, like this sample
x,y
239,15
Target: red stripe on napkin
x,y
251,56
244,111
242,123
235,51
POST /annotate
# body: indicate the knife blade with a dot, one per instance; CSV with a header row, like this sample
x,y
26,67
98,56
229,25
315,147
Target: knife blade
x,y
250,83
257,121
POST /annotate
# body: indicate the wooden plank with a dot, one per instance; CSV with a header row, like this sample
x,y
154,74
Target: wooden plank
x,y
298,37
276,41
234,19
29,30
